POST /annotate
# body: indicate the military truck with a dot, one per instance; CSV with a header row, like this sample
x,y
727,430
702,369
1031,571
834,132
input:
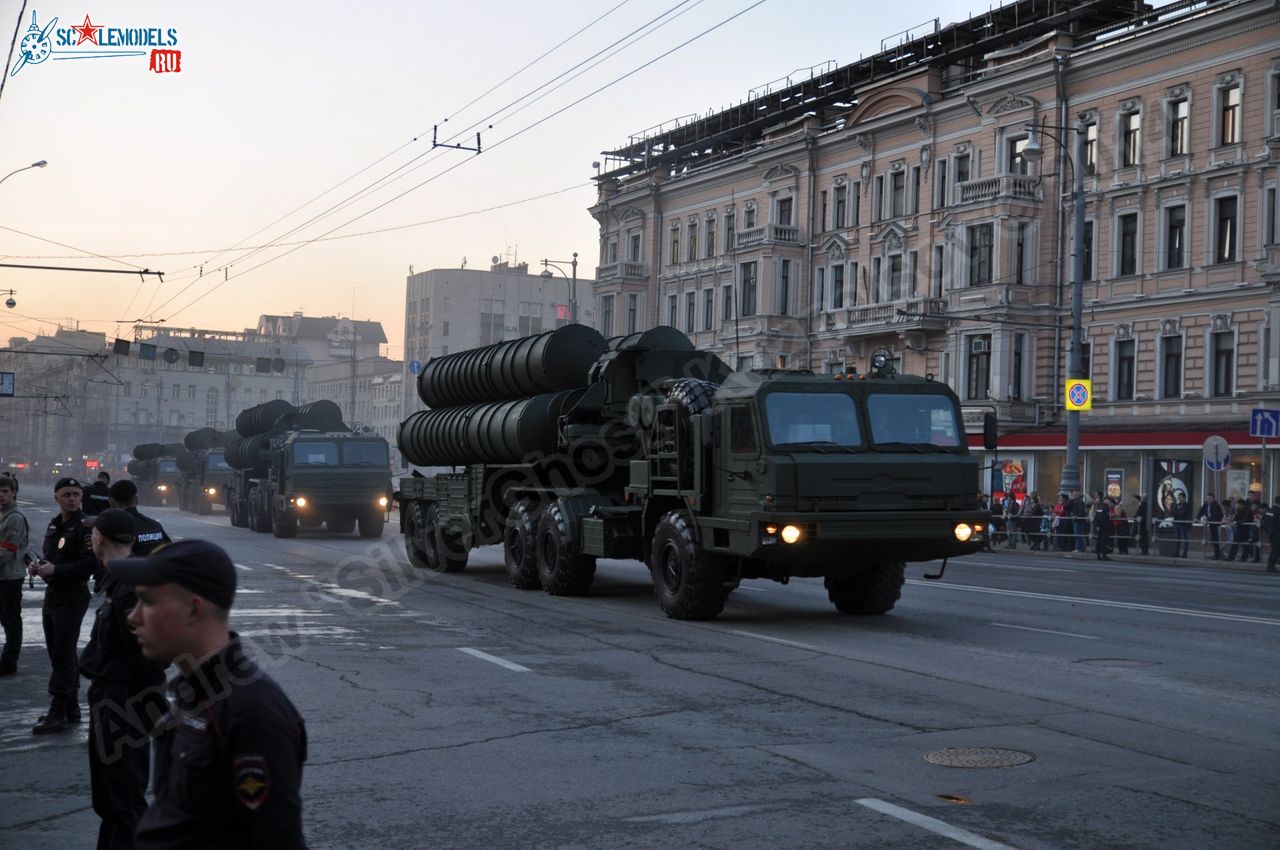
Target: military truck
x,y
205,470
304,467
155,472
567,447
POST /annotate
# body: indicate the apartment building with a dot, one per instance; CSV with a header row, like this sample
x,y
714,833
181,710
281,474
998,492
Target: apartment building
x,y
891,204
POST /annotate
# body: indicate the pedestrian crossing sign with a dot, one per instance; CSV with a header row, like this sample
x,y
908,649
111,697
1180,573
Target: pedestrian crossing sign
x,y
1079,394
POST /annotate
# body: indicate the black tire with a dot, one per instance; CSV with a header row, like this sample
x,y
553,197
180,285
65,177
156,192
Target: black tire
x,y
263,525
444,552
414,542
341,525
371,525
205,506
695,395
875,590
237,521
561,569
519,547
689,583
285,525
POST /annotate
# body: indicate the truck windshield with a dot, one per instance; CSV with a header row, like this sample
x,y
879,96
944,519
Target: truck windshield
x,y
315,454
167,466
367,453
216,461
916,419
811,419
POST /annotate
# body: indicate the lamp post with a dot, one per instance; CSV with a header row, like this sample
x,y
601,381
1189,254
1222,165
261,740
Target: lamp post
x,y
41,164
1033,152
547,265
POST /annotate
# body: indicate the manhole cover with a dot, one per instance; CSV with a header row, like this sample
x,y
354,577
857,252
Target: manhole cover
x,y
978,757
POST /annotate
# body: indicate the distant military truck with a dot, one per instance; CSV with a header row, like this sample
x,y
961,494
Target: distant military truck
x,y
156,473
303,468
205,470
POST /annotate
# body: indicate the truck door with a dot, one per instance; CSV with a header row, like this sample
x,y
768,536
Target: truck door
x,y
737,452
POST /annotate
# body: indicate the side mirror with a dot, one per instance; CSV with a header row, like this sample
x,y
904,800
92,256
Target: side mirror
x,y
990,431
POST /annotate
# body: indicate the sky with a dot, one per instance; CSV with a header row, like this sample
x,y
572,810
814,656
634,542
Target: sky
x,y
288,164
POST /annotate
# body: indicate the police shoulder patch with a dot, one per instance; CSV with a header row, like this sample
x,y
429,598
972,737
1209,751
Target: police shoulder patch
x,y
250,779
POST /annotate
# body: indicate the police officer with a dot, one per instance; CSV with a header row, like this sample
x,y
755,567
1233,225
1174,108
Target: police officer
x,y
68,565
149,535
229,754
97,495
13,547
124,694
1271,525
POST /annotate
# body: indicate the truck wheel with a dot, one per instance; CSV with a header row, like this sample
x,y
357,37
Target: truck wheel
x,y
519,548
695,395
444,551
285,525
263,525
233,514
875,590
562,571
689,583
205,506
371,524
415,538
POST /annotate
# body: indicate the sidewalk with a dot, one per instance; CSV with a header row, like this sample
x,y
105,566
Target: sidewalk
x,y
1192,560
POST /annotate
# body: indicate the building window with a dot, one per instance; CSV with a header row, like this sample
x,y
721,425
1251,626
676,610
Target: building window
x,y
675,244
853,284
710,250
897,194
1130,139
1229,115
633,251
726,302
1086,359
1016,163
877,198
1126,366
1175,237
962,168
1127,241
690,311
894,283
855,211
492,320
1021,251
981,238
693,241
633,313
935,272
1179,127
606,315
940,184
1226,236
1088,251
708,309
1091,147
979,384
749,217
911,274
1170,367
1224,359
611,251
748,282
915,190
784,212
841,203
873,289
728,230
822,211
819,287
672,306
837,287
784,287
1019,356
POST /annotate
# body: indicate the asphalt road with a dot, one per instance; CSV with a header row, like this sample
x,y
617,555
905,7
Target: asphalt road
x,y
1130,706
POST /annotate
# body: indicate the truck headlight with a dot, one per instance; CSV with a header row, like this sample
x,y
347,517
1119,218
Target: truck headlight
x,y
790,533
162,487
300,501
382,501
212,491
963,531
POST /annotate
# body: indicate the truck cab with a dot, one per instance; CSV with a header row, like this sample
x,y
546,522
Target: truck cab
x,y
335,478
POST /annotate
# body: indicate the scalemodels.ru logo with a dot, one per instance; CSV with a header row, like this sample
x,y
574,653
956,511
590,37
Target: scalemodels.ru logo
x,y
96,41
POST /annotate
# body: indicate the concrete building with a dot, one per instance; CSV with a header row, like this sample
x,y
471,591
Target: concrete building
x,y
888,204
333,381
388,410
457,309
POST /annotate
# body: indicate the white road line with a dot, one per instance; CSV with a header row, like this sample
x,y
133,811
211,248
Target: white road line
x,y
1042,631
1106,603
696,817
774,640
753,589
934,825
493,659
244,568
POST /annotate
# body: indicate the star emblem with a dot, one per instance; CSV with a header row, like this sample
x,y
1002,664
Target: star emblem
x,y
87,32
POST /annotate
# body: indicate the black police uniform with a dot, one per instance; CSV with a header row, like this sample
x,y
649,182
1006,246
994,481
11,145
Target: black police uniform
x,y
126,697
96,498
68,545
149,536
229,761
1271,525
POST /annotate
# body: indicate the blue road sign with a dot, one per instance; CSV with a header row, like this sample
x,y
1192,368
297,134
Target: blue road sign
x,y
415,366
1264,422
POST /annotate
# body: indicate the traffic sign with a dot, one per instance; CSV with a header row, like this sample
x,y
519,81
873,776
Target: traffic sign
x,y
1079,394
1264,422
1217,455
415,366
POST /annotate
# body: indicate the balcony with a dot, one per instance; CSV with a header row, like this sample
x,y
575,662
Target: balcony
x,y
915,314
771,233
621,271
1005,187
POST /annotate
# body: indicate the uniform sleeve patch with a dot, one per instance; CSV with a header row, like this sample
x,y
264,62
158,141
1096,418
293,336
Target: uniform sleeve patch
x,y
249,776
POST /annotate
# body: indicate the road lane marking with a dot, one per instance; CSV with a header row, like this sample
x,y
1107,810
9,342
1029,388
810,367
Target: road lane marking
x,y
244,568
774,640
934,825
493,659
696,817
1042,631
752,589
1105,603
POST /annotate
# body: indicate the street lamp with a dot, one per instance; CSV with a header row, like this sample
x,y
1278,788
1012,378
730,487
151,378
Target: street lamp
x,y
1033,152
547,265
41,164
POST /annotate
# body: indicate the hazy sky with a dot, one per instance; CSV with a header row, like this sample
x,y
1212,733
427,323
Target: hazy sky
x,y
277,103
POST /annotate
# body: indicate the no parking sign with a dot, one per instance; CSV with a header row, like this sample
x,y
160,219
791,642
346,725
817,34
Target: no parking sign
x,y
1079,394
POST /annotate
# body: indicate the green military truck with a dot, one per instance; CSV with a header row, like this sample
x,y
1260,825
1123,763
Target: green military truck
x,y
302,468
155,471
567,448
205,470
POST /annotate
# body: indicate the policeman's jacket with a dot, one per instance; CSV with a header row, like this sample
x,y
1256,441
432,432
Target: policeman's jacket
x,y
96,498
113,654
149,535
68,545
228,761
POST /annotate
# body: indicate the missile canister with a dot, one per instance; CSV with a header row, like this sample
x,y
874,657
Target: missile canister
x,y
496,432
